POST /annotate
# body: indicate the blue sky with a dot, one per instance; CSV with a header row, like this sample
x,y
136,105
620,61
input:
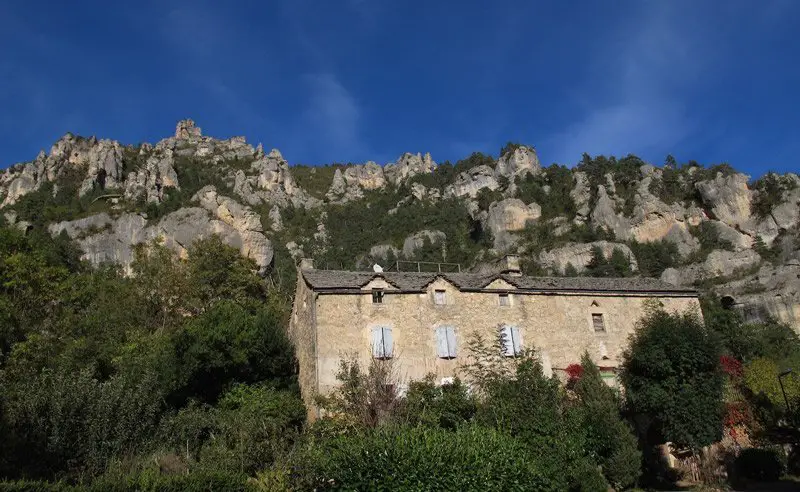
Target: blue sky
x,y
357,80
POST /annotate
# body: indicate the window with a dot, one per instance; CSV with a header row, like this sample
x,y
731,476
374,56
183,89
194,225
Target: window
x,y
512,340
505,299
439,297
598,323
382,342
446,342
377,296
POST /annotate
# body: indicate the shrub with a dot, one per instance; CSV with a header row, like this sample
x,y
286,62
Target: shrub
x,y
760,464
419,458
673,379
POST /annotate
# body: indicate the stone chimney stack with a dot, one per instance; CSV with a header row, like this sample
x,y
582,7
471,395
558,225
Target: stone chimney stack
x,y
306,263
510,266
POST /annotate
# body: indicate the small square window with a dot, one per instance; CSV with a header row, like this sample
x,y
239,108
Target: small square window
x,y
505,299
377,296
598,323
439,297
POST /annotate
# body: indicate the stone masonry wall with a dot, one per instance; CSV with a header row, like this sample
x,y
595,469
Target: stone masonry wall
x,y
301,332
558,325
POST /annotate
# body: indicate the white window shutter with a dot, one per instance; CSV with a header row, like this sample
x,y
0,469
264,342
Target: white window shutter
x,y
377,342
451,341
508,341
388,344
441,342
516,338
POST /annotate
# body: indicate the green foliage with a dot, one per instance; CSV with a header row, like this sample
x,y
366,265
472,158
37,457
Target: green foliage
x,y
94,363
555,202
625,173
655,257
618,265
354,227
446,406
709,239
474,160
608,437
673,380
761,378
316,180
770,189
420,458
760,464
250,427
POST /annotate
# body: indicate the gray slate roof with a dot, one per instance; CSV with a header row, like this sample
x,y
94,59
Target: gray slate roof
x,y
414,281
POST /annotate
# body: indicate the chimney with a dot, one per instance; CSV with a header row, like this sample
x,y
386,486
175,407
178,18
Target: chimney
x,y
306,263
510,265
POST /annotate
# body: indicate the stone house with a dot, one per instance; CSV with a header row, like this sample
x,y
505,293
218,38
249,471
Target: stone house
x,y
422,320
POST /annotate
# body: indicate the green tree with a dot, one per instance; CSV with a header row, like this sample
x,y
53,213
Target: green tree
x,y
608,437
673,381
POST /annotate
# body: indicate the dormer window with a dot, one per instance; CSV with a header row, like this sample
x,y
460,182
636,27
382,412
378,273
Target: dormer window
x,y
377,296
439,297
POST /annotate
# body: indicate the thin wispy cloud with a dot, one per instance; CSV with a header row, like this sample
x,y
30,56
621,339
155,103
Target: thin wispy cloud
x,y
333,116
635,105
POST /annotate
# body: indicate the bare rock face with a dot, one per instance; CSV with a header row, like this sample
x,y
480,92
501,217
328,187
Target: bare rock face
x,y
727,233
417,240
187,130
247,232
471,182
153,180
508,216
107,240
581,195
654,220
522,160
349,185
408,166
270,181
384,252
718,264
579,255
771,293
728,197
605,215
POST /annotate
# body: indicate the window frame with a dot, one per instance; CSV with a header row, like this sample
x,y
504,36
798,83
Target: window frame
x,y
512,340
443,294
379,349
378,296
595,316
446,339
506,296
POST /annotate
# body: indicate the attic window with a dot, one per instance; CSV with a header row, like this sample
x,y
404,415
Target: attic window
x,y
377,296
598,323
504,299
439,297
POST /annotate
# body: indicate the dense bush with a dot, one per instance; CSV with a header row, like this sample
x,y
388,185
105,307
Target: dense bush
x,y
420,458
655,257
760,464
673,379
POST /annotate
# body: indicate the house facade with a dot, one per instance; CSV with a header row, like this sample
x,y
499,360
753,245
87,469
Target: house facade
x,y
422,320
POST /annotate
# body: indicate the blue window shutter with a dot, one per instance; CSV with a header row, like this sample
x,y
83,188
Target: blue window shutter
x,y
516,338
508,341
451,341
377,342
388,346
441,342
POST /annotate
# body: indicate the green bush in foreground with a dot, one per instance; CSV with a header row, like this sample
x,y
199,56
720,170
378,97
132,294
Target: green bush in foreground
x,y
418,458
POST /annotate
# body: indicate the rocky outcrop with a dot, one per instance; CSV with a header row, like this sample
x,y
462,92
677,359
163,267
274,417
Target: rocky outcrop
x,y
471,182
579,255
605,215
581,194
519,162
187,130
350,184
408,166
104,239
152,181
418,240
718,264
728,198
508,216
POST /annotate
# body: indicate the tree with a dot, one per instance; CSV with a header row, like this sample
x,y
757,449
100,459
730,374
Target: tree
x,y
673,380
608,437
